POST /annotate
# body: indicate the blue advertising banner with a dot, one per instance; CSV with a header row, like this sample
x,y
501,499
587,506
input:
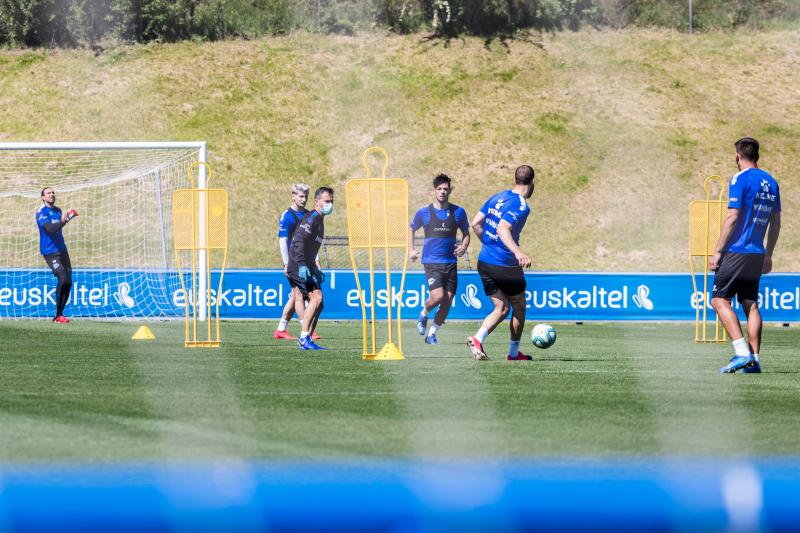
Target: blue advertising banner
x,y
261,294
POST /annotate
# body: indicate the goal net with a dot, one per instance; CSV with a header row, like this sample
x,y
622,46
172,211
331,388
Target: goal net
x,y
120,245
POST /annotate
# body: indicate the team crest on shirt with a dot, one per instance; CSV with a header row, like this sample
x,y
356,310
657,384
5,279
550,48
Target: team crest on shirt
x,y
733,179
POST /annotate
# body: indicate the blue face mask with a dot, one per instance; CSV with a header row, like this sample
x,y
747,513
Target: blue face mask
x,y
327,209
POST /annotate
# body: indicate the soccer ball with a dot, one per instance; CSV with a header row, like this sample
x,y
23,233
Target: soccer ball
x,y
543,336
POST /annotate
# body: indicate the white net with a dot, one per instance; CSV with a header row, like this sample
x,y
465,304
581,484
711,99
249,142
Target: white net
x,y
120,245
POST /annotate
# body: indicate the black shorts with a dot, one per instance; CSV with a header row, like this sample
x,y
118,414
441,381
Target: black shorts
x,y
442,275
508,279
305,286
59,263
738,274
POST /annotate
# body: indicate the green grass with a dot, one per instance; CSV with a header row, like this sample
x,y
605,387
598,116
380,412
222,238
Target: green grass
x,y
86,392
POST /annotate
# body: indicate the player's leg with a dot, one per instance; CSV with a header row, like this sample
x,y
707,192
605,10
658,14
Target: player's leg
x,y
439,318
754,325
448,279
286,316
741,350
435,298
66,288
488,274
727,281
435,295
498,314
748,297
312,313
726,314
517,326
300,309
56,264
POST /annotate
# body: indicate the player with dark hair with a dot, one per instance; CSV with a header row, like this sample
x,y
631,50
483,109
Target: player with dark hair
x,y
287,225
50,221
302,271
754,211
498,225
441,220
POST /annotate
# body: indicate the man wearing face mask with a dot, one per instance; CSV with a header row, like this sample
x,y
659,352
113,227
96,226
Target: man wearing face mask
x,y
500,263
302,270
754,211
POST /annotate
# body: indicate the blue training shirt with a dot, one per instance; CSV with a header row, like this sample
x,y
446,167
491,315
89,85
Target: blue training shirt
x,y
49,244
757,197
512,208
440,249
288,223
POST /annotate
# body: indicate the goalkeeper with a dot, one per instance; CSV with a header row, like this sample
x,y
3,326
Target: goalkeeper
x,y
302,271
50,221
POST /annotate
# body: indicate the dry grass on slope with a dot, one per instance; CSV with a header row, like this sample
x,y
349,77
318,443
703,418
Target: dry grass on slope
x,y
621,126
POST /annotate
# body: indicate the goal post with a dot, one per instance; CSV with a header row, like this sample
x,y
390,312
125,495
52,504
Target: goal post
x,y
121,243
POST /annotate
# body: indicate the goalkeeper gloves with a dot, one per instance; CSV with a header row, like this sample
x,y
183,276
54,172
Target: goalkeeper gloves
x,y
304,273
71,214
319,276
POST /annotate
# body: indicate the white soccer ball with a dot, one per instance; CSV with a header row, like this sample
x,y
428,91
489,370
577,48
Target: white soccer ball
x,y
543,336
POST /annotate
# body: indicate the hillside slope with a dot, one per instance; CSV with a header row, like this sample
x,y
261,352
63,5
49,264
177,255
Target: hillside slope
x,y
621,127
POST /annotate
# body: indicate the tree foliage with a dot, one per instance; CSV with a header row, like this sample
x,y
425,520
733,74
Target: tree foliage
x,y
85,22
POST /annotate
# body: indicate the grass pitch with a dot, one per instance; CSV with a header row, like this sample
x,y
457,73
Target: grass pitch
x,y
87,392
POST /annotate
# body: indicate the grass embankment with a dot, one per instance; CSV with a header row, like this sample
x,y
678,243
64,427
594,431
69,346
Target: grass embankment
x,y
621,127
89,393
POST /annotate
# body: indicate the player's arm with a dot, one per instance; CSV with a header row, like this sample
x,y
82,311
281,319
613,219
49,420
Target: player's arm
x,y
52,227
725,233
413,253
461,248
773,232
283,244
477,224
416,223
504,232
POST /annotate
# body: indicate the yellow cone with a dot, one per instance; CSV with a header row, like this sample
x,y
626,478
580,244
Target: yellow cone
x,y
389,352
143,334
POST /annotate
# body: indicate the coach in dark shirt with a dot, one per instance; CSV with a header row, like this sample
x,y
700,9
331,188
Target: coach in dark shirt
x,y
302,270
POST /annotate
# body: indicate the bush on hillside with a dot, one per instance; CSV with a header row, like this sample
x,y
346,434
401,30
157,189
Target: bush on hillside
x,y
84,22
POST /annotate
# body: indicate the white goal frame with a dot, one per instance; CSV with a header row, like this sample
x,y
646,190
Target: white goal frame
x,y
202,155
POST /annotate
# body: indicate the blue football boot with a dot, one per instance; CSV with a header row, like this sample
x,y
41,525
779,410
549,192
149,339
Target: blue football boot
x,y
431,339
304,343
315,346
422,324
755,368
738,362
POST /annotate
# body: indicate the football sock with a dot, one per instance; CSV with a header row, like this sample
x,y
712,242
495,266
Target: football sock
x,y
755,356
282,325
482,334
740,347
433,329
303,334
513,348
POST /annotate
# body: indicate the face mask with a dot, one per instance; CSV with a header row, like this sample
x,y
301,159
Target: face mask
x,y
327,209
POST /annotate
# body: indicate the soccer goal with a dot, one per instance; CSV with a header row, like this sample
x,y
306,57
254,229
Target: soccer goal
x,y
120,245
